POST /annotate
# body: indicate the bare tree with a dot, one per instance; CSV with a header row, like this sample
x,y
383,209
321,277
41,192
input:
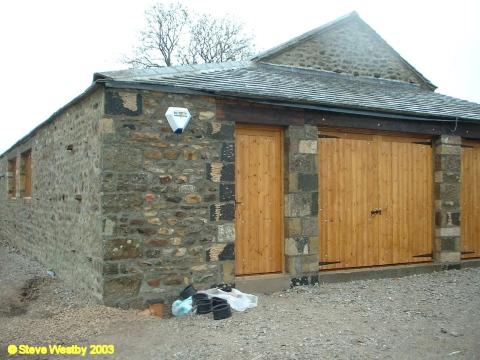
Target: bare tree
x,y
217,40
174,36
160,38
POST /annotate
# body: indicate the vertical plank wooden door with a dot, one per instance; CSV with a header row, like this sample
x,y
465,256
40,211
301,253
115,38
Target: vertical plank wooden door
x,y
259,200
470,213
347,188
405,194
375,200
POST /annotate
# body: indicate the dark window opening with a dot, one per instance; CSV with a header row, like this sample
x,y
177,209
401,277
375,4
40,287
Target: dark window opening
x,y
26,174
12,178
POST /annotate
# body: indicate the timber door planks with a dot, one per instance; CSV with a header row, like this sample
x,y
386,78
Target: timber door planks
x,y
470,213
375,200
259,200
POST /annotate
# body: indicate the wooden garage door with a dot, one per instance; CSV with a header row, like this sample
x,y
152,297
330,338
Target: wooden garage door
x,y
375,200
470,214
258,194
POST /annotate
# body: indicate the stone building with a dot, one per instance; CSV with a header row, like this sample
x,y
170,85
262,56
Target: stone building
x,y
327,152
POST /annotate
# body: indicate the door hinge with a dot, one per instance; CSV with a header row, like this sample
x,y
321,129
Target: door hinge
x,y
424,255
467,146
428,143
323,136
321,263
467,252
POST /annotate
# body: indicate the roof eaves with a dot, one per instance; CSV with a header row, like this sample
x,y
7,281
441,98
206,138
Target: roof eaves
x,y
355,110
404,114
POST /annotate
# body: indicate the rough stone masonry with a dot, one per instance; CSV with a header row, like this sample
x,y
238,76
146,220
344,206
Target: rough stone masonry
x,y
167,199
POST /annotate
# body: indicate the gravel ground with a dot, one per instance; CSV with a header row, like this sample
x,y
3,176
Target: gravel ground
x,y
432,316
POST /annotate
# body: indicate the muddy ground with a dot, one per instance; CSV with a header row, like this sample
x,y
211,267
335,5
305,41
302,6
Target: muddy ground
x,y
432,316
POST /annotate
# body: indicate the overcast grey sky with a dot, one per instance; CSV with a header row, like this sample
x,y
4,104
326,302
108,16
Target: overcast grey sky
x,y
51,48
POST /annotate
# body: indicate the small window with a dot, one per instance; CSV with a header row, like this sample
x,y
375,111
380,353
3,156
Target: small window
x,y
12,178
26,174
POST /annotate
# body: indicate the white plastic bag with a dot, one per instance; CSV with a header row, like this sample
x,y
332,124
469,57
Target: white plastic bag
x,y
237,300
181,307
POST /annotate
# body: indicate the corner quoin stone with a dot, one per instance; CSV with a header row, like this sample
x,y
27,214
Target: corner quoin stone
x,y
220,212
123,103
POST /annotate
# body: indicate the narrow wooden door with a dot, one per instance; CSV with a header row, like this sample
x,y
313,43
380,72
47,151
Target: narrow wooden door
x,y
259,205
470,213
347,194
405,195
375,200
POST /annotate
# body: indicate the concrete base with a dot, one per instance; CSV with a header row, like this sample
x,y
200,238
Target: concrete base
x,y
470,263
392,271
268,284
378,272
263,284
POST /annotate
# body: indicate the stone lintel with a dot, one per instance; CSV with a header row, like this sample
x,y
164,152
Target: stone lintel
x,y
449,139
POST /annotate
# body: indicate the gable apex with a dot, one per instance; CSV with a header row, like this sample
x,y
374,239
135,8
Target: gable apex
x,y
303,37
347,45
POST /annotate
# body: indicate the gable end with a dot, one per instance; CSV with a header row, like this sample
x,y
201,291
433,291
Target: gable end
x,y
348,46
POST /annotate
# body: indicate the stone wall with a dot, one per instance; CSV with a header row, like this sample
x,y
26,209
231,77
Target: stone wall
x,y
301,204
167,199
349,49
448,171
125,210
59,225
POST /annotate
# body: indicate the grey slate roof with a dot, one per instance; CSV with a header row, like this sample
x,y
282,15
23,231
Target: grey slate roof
x,y
301,87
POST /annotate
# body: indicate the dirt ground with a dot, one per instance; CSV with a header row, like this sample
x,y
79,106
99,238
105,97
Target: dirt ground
x,y
432,316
